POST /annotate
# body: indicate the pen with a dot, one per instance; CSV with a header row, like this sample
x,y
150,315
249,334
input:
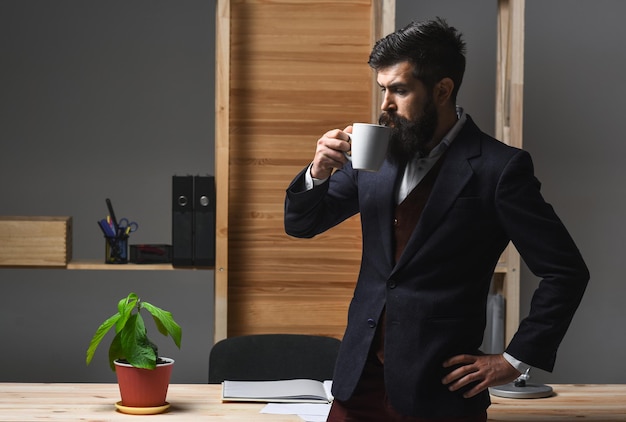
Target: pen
x,y
112,214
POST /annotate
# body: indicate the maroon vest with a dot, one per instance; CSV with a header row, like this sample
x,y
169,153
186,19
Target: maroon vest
x,y
407,214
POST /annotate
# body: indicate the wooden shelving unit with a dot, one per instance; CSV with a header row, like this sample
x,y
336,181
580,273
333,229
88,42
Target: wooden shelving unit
x,y
265,282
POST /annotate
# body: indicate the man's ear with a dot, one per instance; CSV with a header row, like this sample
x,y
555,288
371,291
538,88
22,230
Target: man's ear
x,y
443,91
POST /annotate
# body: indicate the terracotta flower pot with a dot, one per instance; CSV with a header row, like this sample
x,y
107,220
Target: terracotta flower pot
x,y
143,387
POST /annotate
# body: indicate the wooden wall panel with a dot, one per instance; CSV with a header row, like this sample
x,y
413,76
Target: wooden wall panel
x,y
297,69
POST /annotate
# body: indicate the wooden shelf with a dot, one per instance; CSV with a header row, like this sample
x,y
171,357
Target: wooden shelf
x,y
99,265
92,264
501,268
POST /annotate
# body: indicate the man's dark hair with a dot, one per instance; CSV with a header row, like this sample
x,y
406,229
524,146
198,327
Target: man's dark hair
x,y
435,49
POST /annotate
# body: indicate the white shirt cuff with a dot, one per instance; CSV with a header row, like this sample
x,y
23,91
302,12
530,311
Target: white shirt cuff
x,y
309,181
517,364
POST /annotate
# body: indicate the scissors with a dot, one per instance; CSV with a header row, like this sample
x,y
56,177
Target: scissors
x,y
126,226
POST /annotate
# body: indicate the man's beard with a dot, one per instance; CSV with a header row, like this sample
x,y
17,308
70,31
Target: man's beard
x,y
410,138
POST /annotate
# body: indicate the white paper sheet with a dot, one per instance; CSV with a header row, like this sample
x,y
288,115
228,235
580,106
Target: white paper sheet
x,y
309,412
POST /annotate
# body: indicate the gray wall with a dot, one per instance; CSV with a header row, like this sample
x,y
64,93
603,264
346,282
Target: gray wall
x,y
101,99
477,21
110,99
573,106
573,112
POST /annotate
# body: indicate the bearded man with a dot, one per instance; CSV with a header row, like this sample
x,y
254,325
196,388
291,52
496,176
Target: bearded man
x,y
435,220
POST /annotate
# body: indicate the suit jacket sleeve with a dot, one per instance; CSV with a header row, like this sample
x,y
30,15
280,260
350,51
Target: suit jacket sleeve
x,y
311,212
550,253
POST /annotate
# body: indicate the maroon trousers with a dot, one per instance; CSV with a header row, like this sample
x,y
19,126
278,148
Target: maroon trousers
x,y
369,402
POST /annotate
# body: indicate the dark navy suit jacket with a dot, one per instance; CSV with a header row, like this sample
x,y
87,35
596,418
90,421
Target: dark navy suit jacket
x,y
486,195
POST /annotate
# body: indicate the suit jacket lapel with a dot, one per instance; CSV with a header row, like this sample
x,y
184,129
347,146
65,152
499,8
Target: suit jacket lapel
x,y
455,172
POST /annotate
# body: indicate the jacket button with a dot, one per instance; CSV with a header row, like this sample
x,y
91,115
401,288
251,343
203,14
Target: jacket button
x,y
391,284
371,322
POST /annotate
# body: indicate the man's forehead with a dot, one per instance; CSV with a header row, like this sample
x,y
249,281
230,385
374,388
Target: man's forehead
x,y
399,73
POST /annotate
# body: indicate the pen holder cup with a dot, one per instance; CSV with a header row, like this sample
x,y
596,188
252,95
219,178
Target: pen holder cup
x,y
116,250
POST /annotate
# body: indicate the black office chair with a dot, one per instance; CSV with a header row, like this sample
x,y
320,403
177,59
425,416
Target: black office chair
x,y
268,357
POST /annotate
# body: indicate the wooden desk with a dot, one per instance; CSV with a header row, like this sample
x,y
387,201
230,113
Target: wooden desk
x,y
570,403
95,402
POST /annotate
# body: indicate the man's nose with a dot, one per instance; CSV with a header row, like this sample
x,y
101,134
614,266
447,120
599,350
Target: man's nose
x,y
387,104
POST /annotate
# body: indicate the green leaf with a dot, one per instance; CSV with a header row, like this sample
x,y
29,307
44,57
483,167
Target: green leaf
x,y
99,335
135,343
125,308
164,322
115,350
131,342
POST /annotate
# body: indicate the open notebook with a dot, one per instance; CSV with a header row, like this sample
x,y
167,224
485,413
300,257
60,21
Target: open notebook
x,y
282,391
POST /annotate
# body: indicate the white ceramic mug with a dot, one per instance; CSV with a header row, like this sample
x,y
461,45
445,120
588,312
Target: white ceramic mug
x,y
369,144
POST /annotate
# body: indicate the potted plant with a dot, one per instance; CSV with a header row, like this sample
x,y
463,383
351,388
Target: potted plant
x,y
143,376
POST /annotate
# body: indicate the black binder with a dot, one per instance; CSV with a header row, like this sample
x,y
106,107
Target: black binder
x,y
204,221
182,220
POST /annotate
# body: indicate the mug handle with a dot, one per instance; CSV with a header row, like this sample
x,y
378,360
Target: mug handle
x,y
348,156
